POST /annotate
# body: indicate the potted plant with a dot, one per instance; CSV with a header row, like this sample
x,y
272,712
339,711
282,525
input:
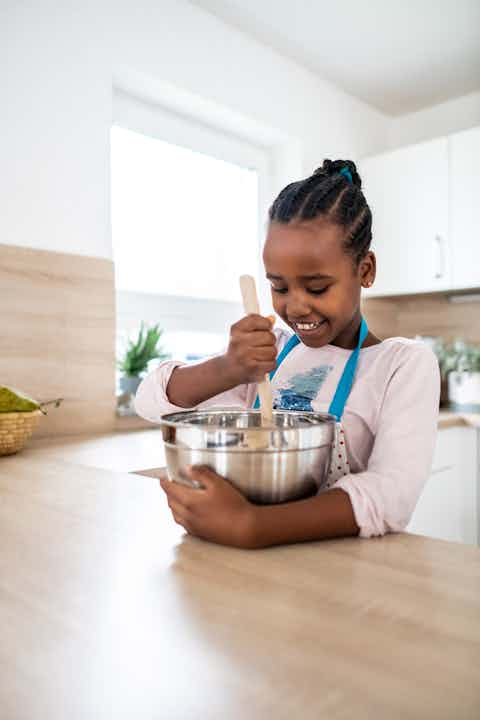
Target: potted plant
x,y
137,356
460,369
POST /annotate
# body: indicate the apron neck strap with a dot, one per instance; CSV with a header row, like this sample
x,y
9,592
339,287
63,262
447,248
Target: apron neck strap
x,y
346,381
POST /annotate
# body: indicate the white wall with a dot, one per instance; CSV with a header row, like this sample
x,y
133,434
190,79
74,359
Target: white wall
x,y
56,77
449,117
55,94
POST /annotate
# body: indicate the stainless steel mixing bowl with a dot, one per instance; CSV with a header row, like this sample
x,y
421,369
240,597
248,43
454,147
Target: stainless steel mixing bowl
x,y
288,461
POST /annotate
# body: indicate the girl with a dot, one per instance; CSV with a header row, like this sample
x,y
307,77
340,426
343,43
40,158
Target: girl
x,y
384,393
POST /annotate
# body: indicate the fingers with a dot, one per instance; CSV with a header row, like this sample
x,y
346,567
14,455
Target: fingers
x,y
260,338
205,475
252,348
179,514
265,354
256,361
189,496
254,322
181,494
185,494
260,370
185,502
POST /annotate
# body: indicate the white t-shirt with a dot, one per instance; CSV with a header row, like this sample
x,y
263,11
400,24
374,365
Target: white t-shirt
x,y
390,418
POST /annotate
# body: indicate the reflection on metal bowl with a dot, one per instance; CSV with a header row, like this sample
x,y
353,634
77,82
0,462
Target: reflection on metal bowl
x,y
285,461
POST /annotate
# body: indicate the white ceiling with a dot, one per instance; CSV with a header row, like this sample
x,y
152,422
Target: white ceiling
x,y
396,55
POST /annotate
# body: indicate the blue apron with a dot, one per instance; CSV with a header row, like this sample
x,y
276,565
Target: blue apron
x,y
346,381
339,465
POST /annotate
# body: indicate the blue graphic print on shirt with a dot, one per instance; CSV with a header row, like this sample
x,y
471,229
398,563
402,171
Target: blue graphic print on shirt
x,y
301,390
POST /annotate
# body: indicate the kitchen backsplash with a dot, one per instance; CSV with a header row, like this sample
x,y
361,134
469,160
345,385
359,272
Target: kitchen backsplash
x,y
57,318
431,315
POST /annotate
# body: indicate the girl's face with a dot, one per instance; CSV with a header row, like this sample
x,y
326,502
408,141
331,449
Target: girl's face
x,y
315,284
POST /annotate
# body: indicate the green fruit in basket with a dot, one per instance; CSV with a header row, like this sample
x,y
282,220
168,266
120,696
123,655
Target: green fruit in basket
x,y
15,401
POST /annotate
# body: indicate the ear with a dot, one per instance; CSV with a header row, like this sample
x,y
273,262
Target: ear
x,y
367,269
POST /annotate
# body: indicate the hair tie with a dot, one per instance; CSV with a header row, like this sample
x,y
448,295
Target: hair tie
x,y
347,174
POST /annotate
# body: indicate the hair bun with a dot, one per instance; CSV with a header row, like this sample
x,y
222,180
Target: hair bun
x,y
332,167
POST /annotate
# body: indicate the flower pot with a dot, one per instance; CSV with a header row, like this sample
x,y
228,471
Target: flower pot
x,y
464,391
129,384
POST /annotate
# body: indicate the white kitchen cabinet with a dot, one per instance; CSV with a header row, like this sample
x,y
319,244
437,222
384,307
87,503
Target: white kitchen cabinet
x,y
407,190
464,152
447,508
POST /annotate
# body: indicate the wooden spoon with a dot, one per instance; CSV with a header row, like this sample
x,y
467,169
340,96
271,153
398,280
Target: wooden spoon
x,y
250,304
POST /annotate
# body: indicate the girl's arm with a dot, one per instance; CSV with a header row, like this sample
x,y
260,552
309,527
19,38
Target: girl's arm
x,y
190,385
227,379
384,495
220,513
324,516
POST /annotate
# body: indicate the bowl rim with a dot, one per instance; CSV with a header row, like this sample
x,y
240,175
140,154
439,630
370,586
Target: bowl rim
x,y
324,417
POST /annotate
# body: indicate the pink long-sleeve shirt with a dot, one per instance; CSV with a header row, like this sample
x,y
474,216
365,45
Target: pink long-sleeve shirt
x,y
390,418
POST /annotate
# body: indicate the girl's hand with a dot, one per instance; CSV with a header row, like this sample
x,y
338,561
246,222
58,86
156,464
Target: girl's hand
x,y
251,351
215,512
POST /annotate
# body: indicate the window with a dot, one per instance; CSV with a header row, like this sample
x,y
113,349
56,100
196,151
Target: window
x,y
183,223
187,217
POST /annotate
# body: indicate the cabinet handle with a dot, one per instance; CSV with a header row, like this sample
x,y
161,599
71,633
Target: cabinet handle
x,y
441,258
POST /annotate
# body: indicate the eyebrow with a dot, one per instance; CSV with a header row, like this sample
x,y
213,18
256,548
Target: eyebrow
x,y
317,276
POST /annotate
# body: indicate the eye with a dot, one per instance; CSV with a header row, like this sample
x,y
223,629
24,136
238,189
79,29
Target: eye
x,y
320,291
282,291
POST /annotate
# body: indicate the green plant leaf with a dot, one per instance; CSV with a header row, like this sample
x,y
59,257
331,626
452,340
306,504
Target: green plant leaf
x,y
140,352
457,356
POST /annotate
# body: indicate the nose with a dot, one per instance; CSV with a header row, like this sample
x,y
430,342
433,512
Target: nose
x,y
297,306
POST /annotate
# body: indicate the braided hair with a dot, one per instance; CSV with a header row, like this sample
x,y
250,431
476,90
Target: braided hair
x,y
334,192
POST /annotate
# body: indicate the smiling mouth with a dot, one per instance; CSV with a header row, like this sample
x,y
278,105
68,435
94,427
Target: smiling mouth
x,y
306,327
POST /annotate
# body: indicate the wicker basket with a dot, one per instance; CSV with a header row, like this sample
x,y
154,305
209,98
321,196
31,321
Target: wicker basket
x,y
15,429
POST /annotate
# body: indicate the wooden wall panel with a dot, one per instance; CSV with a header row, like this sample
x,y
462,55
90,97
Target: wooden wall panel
x,y
57,337
433,315
381,317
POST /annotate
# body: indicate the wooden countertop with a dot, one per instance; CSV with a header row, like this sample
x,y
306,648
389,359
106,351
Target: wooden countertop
x,y
107,610
450,418
117,451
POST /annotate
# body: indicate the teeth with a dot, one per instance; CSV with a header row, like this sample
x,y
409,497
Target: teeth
x,y
307,326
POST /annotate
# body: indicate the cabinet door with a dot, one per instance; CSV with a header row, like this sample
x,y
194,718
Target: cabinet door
x,y
447,508
407,191
465,207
